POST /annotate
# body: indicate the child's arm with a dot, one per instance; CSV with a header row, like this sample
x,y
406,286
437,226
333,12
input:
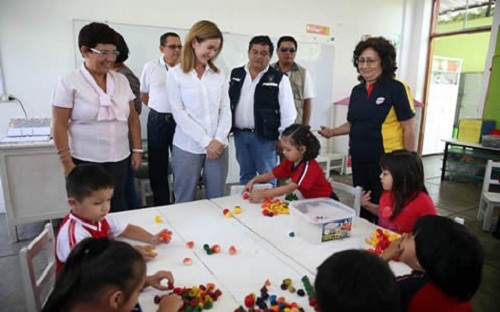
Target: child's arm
x,y
258,179
139,234
258,195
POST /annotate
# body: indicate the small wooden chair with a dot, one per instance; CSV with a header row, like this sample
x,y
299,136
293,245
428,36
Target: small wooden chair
x,y
38,288
354,191
489,198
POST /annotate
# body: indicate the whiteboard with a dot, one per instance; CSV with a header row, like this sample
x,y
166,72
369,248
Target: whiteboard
x,y
144,41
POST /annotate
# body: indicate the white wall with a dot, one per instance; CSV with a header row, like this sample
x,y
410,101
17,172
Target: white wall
x,y
36,37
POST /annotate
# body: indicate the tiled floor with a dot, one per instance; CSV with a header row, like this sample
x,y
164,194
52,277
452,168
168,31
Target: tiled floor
x,y
452,199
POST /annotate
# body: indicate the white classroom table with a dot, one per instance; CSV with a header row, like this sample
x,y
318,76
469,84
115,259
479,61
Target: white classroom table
x,y
264,250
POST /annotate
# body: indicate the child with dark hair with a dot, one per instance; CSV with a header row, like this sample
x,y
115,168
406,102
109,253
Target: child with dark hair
x,y
447,262
90,188
300,148
104,275
405,197
356,280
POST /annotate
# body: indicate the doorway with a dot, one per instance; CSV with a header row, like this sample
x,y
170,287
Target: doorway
x,y
459,44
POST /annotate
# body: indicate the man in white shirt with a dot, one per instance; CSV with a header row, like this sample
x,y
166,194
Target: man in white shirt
x,y
161,124
300,79
262,106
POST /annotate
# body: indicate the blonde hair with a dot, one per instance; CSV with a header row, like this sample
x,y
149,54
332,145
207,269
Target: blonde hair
x,y
200,31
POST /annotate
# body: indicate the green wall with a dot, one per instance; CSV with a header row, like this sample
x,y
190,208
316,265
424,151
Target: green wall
x,y
471,48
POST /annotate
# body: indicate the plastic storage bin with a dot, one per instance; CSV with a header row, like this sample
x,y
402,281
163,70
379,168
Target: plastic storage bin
x,y
321,219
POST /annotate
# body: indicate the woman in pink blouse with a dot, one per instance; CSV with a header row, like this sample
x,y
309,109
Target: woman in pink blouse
x,y
93,112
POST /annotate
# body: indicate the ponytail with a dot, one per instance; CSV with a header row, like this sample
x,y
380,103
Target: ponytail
x,y
301,135
92,265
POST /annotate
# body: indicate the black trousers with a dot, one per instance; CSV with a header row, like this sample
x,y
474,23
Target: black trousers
x,y
161,129
366,173
119,172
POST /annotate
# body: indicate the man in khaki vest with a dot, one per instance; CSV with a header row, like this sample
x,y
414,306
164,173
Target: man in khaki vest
x,y
300,79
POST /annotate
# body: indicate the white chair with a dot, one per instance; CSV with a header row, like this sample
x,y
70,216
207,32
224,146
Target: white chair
x,y
489,199
328,160
354,191
37,287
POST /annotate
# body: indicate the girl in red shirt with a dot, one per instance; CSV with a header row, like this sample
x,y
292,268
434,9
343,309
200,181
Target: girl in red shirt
x,y
405,198
300,148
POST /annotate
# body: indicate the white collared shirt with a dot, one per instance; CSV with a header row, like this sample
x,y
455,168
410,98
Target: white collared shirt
x,y
244,113
74,229
91,139
152,81
200,108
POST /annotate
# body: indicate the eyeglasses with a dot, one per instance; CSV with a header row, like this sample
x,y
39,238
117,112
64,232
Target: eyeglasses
x,y
291,50
367,61
174,46
106,53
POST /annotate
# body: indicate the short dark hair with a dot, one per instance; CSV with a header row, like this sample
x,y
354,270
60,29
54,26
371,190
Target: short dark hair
x,y
407,171
301,135
94,33
164,37
121,46
385,51
356,280
87,178
92,266
262,40
452,256
287,39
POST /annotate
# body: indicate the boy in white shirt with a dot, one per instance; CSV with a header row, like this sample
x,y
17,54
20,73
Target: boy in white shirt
x,y
90,188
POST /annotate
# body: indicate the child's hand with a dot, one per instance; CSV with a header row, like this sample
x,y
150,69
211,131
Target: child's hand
x,y
366,198
257,196
148,252
171,303
248,187
155,280
163,237
394,250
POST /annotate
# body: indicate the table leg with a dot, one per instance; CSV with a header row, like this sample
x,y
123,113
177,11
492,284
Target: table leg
x,y
13,237
445,157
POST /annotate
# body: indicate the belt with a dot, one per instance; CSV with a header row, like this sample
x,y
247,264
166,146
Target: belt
x,y
166,116
246,130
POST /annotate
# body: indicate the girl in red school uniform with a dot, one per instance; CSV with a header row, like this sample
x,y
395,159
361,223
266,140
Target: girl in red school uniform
x,y
300,148
405,198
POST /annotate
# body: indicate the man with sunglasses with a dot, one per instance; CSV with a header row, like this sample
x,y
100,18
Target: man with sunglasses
x,y
300,79
161,124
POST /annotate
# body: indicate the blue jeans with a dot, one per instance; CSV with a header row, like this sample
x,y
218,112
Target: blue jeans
x,y
161,128
255,155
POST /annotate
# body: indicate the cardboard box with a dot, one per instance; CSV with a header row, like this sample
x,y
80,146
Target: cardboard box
x,y
471,130
321,219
